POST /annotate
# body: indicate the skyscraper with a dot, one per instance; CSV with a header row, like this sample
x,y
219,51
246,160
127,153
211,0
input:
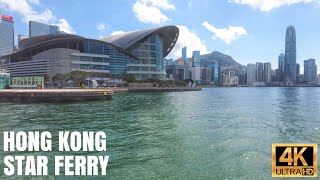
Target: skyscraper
x,y
40,29
196,58
206,74
6,35
310,70
297,72
215,69
184,54
281,63
267,72
251,74
259,72
290,57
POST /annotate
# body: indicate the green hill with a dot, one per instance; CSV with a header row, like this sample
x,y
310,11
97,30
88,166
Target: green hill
x,y
216,56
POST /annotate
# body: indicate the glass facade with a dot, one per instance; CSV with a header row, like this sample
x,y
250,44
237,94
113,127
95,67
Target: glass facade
x,y
40,29
184,54
290,56
117,61
4,80
149,64
215,72
196,58
6,37
281,64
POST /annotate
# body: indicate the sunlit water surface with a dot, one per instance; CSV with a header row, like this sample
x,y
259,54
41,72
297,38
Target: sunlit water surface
x,y
220,133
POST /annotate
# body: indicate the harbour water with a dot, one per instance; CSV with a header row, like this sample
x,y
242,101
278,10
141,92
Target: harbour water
x,y
218,133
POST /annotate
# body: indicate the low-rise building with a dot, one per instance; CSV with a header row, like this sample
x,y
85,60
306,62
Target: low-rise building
x,y
234,80
196,74
177,72
225,80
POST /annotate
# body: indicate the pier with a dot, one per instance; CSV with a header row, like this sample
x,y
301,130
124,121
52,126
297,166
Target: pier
x,y
54,95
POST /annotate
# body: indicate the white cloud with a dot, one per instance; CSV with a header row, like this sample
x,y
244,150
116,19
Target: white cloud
x,y
24,8
101,27
149,11
190,3
189,39
163,4
34,1
111,34
267,5
226,34
117,32
65,26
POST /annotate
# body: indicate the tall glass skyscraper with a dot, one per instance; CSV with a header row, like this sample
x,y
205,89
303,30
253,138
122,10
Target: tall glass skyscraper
x,y
297,72
6,35
215,72
196,58
40,29
184,54
281,63
290,67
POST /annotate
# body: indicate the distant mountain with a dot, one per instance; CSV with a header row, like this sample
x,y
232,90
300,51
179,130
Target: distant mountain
x,y
216,56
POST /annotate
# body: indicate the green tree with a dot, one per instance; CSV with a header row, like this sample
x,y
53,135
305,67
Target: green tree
x,y
58,78
188,80
47,78
129,78
78,76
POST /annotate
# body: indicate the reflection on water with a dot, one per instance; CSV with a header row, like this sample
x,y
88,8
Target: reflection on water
x,y
221,133
289,115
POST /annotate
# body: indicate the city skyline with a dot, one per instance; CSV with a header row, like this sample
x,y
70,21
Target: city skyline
x,y
197,24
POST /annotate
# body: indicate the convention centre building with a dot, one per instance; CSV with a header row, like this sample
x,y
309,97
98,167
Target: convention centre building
x,y
140,53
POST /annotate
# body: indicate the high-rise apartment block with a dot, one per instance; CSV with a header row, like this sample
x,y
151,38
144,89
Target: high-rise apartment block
x,y
251,74
267,72
310,71
6,35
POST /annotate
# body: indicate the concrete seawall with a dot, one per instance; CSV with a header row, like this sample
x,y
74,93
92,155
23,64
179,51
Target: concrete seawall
x,y
54,95
162,89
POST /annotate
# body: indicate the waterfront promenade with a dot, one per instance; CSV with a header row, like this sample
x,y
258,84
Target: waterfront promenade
x,y
69,95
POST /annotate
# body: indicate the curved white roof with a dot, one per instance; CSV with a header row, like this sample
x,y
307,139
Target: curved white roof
x,y
126,40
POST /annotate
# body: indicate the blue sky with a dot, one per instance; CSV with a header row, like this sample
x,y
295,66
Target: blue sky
x,y
248,30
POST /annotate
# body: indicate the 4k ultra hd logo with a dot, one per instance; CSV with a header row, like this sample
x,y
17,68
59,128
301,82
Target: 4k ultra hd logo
x,y
294,160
